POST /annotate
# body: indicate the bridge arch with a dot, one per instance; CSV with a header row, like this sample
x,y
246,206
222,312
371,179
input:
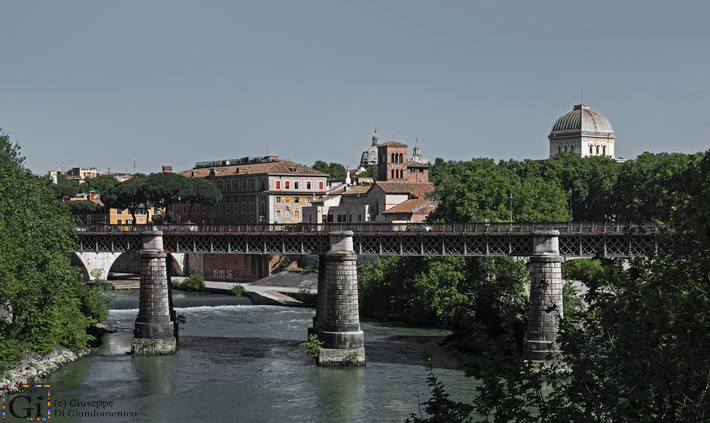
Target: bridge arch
x,y
120,262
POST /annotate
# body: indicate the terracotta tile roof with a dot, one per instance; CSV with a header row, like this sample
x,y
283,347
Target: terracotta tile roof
x,y
415,206
269,168
416,189
393,144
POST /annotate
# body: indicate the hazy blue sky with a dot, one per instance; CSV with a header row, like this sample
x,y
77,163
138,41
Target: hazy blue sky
x,y
97,83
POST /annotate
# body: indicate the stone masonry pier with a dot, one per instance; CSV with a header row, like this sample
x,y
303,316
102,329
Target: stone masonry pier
x,y
154,332
545,309
337,320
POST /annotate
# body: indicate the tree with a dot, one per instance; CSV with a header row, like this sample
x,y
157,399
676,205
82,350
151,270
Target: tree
x,y
451,293
98,184
589,180
82,209
164,189
639,351
479,189
371,172
648,185
334,170
200,191
129,194
64,188
38,286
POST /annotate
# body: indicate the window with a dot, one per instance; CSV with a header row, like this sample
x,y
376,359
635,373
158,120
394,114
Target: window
x,y
590,149
219,209
604,150
296,214
251,185
226,208
278,214
244,207
129,222
119,221
597,149
296,200
278,200
295,184
140,220
286,184
278,184
119,211
308,185
308,200
320,185
251,207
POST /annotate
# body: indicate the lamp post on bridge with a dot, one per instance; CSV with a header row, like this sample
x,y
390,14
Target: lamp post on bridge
x,y
570,205
510,194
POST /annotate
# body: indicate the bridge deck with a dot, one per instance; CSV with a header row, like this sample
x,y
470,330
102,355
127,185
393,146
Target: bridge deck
x,y
586,239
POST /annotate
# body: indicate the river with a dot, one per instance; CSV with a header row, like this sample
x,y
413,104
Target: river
x,y
238,362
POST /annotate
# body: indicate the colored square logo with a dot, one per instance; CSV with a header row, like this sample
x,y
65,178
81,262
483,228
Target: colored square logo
x,y
26,402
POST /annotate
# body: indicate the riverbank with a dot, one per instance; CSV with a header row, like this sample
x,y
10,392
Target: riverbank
x,y
35,367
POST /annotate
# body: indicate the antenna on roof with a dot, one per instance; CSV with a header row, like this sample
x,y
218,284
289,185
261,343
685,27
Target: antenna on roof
x,y
581,96
267,149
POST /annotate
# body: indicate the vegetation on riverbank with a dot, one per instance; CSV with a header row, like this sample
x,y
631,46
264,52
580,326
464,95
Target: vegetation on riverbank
x,y
44,302
638,350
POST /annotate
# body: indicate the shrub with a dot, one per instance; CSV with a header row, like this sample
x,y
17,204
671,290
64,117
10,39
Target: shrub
x,y
237,289
313,346
194,282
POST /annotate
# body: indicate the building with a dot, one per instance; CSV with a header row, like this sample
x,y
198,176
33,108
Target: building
x,y
582,131
399,194
255,190
369,156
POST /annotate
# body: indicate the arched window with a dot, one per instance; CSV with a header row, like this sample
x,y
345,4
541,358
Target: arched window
x,y
565,149
597,149
604,150
559,149
590,149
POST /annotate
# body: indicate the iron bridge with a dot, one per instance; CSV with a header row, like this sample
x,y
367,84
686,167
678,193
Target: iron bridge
x,y
587,239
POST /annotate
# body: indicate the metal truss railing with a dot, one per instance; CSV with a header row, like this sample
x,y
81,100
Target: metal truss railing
x,y
380,227
587,241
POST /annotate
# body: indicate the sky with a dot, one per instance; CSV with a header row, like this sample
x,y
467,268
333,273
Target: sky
x,y
124,85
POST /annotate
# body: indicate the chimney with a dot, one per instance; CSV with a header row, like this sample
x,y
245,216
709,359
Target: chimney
x,y
167,169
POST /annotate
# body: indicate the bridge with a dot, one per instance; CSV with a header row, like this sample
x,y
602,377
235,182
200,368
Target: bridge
x,y
337,320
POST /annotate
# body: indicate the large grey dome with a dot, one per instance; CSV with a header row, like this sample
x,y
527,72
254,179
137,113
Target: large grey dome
x,y
582,121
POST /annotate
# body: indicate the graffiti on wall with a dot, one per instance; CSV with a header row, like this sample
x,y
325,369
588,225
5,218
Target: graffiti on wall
x,y
222,274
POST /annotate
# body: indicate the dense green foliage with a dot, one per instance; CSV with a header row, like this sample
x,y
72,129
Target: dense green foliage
x,y
334,170
237,289
99,184
47,303
161,190
479,189
638,350
452,293
194,282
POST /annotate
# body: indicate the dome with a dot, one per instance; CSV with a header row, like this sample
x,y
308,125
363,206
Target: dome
x,y
369,156
417,155
582,121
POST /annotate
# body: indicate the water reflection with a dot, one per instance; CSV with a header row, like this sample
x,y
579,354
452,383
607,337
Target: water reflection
x,y
244,363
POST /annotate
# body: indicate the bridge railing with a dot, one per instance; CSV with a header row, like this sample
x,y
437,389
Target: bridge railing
x,y
380,227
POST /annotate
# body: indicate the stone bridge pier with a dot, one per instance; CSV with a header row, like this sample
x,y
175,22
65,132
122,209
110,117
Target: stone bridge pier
x,y
154,332
545,297
337,320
